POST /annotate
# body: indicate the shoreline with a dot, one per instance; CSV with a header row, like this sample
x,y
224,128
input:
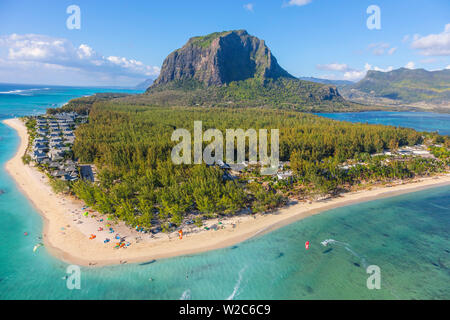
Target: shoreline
x,y
66,233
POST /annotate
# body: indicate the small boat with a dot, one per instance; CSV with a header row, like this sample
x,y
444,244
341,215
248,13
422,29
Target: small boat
x,y
326,242
37,246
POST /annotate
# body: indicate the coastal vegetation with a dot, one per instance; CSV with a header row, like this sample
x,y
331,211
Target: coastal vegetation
x,y
442,152
282,93
138,183
30,124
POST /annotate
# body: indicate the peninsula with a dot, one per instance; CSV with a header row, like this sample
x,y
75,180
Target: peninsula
x,y
99,168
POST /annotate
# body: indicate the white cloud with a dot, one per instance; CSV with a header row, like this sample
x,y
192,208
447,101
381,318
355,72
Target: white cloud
x,y
447,67
359,74
249,6
298,3
333,67
410,65
348,73
354,75
433,44
85,51
370,67
41,50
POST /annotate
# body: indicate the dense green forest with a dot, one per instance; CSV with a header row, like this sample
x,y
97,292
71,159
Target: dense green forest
x,y
84,104
282,93
138,183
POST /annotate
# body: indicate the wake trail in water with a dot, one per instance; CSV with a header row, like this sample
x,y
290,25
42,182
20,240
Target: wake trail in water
x,y
361,258
237,285
438,206
348,248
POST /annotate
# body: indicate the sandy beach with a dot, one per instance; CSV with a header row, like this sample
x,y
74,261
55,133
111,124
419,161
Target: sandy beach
x,y
66,230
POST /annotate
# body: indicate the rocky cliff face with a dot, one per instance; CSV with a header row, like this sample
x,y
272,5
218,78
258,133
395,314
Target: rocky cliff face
x,y
235,69
220,58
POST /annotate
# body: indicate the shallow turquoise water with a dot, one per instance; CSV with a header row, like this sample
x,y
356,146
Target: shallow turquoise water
x,y
406,236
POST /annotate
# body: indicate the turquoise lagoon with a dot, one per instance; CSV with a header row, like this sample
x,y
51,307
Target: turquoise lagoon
x,y
421,121
407,236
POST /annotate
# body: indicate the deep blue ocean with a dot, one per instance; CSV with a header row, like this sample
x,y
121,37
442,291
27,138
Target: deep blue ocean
x,y
421,121
406,236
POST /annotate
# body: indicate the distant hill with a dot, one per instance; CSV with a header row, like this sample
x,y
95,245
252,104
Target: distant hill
x,y
409,87
144,85
233,68
327,81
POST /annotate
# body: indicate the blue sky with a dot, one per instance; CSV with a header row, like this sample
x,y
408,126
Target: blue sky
x,y
123,42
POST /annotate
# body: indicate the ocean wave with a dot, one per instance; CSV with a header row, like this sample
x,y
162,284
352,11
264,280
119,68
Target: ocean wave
x,y
22,92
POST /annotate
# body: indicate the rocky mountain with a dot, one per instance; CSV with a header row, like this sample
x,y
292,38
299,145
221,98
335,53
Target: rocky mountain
x,y
403,87
220,58
233,68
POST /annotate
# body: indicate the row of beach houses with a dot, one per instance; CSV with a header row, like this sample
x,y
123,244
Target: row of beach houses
x,y
54,140
232,171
